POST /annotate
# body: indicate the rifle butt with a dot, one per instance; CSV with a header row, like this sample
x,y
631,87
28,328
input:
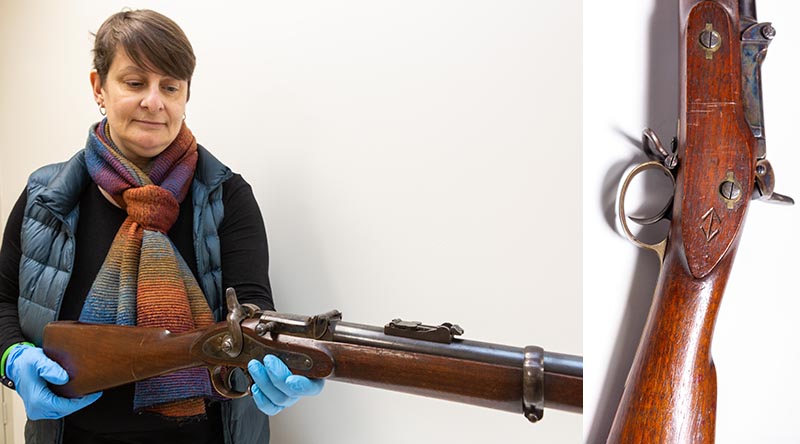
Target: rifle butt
x,y
671,391
98,357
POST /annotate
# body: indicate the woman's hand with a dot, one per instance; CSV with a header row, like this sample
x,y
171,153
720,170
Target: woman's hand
x,y
30,370
276,387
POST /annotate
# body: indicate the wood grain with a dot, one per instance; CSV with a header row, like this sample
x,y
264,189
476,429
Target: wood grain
x,y
670,394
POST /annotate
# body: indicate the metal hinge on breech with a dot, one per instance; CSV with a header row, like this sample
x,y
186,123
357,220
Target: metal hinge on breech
x,y
234,340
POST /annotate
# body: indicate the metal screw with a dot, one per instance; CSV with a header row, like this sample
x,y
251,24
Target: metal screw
x,y
671,161
227,345
709,39
730,190
760,170
768,32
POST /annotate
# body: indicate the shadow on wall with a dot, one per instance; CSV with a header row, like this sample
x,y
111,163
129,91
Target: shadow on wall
x,y
662,115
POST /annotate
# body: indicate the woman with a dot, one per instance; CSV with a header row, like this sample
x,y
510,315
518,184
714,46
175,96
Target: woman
x,y
142,227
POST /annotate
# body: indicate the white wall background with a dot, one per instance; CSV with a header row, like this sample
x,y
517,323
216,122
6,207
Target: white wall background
x,y
415,159
630,82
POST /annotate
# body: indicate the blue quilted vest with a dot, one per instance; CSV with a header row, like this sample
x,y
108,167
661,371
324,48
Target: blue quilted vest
x,y
48,253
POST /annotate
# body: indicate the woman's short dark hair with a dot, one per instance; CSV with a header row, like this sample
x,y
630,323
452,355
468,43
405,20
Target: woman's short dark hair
x,y
151,40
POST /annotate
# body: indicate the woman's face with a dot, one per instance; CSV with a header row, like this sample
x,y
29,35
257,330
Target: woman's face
x,y
144,109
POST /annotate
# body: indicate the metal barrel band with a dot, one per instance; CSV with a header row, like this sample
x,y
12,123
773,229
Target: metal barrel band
x,y
533,383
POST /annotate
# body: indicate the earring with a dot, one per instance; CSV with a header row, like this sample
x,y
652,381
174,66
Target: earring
x,y
102,110
184,116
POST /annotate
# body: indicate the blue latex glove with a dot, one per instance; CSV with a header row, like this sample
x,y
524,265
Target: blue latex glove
x,y
30,370
276,387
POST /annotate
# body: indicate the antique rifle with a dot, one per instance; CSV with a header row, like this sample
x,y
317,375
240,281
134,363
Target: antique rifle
x,y
717,165
403,356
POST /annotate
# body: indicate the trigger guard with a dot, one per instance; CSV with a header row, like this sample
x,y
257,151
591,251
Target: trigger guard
x,y
221,380
660,247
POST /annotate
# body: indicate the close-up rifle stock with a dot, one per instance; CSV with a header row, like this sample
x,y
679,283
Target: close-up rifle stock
x,y
718,165
402,356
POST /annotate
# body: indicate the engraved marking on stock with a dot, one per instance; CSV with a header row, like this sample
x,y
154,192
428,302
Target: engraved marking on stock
x,y
715,139
711,224
710,40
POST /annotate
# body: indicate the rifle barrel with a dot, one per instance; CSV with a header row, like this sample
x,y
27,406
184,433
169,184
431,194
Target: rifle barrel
x,y
352,333
563,372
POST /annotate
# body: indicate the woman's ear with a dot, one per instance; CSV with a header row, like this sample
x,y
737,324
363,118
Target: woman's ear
x,y
97,87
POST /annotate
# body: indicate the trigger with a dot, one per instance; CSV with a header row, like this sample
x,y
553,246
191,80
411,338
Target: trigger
x,y
665,213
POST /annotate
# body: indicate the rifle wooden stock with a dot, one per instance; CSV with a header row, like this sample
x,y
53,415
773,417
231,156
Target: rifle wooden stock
x,y
670,393
98,357
95,361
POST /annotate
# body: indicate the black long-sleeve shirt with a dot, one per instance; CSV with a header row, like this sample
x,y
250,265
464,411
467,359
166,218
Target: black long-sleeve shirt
x,y
245,260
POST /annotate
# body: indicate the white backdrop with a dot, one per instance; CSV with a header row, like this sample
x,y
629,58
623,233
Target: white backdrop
x,y
414,159
630,82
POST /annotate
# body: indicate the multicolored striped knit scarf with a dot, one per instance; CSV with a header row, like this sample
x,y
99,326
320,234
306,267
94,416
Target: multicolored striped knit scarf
x,y
144,281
